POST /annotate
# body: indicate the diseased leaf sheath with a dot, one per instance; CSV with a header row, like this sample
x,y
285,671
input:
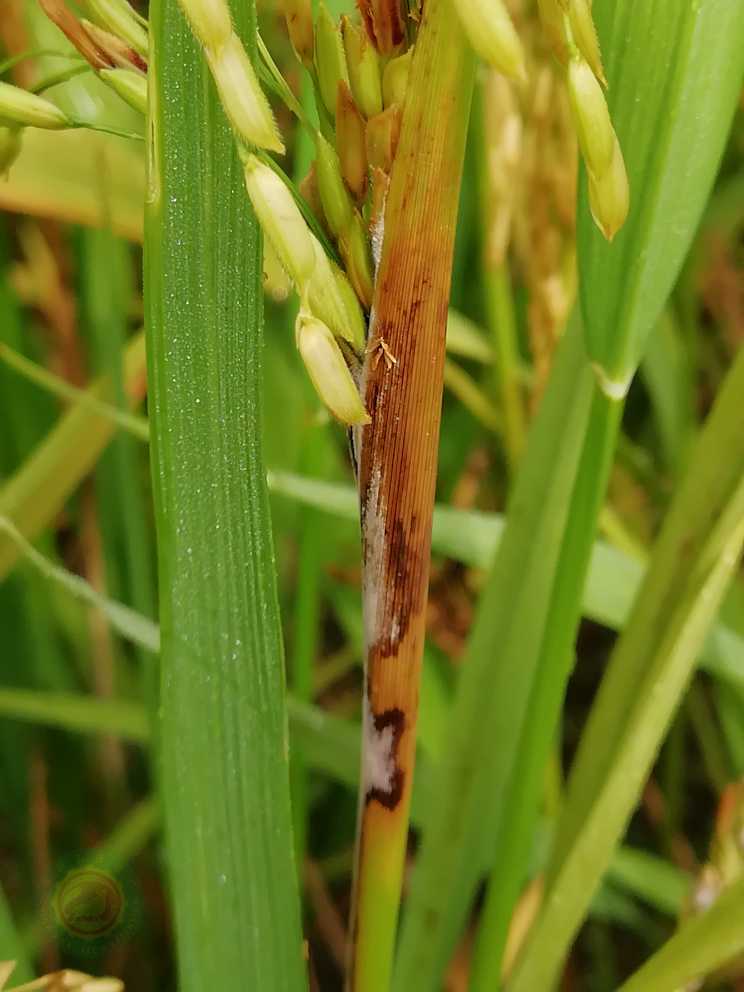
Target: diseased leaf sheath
x,y
398,467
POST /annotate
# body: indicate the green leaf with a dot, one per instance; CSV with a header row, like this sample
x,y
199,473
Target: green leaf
x,y
76,713
675,70
659,883
703,944
649,670
128,838
472,537
40,486
466,340
667,373
126,622
134,424
225,775
527,727
328,744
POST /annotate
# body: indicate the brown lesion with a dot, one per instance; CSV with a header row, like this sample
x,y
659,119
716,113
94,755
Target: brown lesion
x,y
398,543
404,572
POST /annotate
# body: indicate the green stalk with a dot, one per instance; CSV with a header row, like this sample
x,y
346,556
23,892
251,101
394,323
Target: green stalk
x,y
649,670
224,745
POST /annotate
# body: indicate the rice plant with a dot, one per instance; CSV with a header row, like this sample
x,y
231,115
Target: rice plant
x,y
372,495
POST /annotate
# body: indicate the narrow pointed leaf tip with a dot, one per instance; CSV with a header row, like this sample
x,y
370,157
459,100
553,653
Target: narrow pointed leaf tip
x,y
328,371
241,95
492,35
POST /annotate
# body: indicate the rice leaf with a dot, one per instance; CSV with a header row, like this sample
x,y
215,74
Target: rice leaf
x,y
675,73
224,746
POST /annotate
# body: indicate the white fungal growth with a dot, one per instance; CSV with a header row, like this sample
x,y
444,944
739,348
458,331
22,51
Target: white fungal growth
x,y
378,762
394,630
377,235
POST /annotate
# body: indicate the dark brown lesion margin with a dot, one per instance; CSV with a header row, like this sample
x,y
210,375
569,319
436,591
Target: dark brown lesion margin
x,y
396,719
